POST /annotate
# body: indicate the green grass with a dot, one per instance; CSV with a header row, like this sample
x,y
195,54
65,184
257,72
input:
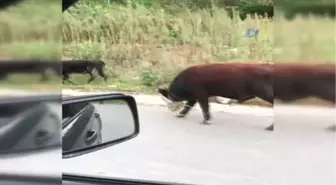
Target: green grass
x,y
309,39
47,50
31,30
144,48
31,82
31,20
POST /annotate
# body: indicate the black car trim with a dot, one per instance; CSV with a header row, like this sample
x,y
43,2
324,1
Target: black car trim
x,y
73,134
31,178
69,120
105,180
118,96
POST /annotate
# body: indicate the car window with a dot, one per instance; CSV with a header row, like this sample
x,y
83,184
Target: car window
x,y
176,50
34,125
69,111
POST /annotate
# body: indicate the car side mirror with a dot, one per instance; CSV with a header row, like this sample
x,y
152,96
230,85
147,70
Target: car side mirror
x,y
94,122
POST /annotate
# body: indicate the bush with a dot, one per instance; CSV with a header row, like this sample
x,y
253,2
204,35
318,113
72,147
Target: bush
x,y
151,79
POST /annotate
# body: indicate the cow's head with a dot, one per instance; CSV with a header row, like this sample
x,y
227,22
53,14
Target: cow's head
x,y
163,92
172,105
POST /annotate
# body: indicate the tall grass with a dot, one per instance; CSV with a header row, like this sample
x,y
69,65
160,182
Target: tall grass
x,y
147,47
136,40
305,39
31,30
31,20
152,45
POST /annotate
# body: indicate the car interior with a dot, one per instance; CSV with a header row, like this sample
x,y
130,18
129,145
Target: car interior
x,y
68,179
29,180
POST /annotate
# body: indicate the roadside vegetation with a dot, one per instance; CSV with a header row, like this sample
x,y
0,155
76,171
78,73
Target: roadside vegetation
x,y
146,42
144,47
31,31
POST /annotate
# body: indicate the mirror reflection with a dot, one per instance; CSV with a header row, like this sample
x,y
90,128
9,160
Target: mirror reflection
x,y
29,126
87,124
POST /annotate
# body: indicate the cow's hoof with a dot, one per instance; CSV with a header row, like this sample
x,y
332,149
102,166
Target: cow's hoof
x,y
180,115
270,128
206,122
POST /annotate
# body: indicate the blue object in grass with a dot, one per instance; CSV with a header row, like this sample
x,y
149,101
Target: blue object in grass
x,y
251,32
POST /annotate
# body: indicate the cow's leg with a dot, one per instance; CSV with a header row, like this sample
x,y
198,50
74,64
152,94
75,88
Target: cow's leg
x,y
241,100
44,76
245,98
57,72
266,93
70,82
204,104
101,73
66,78
91,77
326,92
187,107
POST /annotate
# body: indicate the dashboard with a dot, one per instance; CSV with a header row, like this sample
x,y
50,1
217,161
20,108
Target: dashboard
x,y
68,179
15,180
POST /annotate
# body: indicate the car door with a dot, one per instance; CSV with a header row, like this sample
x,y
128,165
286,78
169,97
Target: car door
x,y
81,130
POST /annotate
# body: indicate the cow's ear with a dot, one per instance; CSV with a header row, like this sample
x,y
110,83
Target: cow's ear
x,y
162,91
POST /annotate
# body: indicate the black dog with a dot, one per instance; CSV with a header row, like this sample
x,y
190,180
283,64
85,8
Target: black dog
x,y
30,67
230,80
82,67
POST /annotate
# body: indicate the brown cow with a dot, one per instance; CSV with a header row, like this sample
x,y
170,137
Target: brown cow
x,y
242,82
297,81
238,81
294,81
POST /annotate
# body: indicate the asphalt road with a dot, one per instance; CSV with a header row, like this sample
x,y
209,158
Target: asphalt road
x,y
43,163
117,121
233,150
